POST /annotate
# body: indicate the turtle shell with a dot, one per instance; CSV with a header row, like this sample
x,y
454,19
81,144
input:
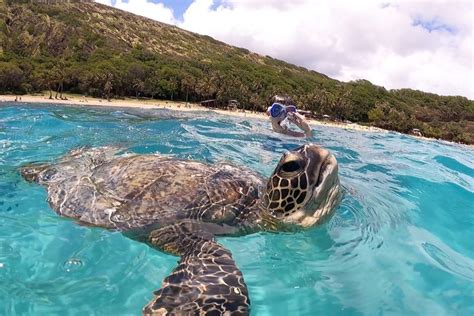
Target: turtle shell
x,y
130,191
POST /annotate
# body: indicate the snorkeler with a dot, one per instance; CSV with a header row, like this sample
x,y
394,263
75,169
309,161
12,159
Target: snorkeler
x,y
279,112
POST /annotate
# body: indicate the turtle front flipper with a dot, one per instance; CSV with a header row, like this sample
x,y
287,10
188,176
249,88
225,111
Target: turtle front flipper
x,y
206,278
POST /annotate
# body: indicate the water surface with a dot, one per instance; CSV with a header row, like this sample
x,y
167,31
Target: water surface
x,y
401,242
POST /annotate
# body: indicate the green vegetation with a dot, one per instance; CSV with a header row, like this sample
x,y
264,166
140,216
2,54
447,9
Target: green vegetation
x,y
96,50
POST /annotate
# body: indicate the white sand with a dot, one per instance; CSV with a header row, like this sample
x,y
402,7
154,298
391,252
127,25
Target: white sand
x,y
172,105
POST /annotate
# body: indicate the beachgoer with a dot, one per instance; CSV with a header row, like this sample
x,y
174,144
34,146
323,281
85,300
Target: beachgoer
x,y
279,112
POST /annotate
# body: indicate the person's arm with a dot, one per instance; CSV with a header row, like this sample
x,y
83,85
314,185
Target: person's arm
x,y
300,121
282,129
290,132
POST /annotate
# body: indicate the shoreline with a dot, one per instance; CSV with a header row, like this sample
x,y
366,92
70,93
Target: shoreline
x,y
77,100
163,104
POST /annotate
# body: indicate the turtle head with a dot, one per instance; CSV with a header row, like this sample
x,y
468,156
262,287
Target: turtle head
x,y
304,188
36,172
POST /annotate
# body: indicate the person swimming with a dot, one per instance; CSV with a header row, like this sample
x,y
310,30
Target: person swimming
x,y
279,112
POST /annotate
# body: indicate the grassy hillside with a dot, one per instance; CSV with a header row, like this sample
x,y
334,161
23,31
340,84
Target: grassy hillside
x,y
84,47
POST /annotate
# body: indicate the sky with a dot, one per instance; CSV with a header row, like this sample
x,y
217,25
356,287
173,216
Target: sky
x,y
418,44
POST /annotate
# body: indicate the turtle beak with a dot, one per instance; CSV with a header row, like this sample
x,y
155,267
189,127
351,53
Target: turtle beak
x,y
323,177
325,193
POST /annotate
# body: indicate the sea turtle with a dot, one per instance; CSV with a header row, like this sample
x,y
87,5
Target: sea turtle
x,y
179,206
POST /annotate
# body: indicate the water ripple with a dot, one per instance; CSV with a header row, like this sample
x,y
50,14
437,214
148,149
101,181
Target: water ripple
x,y
399,243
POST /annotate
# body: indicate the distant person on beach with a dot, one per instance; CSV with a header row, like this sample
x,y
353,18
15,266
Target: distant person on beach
x,y
278,113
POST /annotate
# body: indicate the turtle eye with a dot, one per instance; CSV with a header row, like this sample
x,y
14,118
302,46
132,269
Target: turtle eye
x,y
291,166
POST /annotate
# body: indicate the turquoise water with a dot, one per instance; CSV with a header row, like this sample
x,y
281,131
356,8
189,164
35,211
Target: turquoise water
x,y
401,242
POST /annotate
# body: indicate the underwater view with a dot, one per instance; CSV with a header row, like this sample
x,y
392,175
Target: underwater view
x,y
399,243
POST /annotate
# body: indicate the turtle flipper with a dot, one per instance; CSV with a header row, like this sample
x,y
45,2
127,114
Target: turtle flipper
x,y
206,278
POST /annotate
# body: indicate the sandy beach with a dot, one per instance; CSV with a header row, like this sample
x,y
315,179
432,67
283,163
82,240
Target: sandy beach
x,y
163,104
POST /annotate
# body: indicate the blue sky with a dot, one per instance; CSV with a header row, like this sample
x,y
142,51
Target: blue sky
x,y
421,44
178,6
435,24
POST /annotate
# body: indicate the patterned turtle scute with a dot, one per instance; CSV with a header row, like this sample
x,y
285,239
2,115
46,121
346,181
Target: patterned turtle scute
x,y
179,207
287,194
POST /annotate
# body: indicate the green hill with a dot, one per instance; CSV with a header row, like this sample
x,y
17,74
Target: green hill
x,y
88,48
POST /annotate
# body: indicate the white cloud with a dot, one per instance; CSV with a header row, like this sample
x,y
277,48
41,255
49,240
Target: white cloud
x,y
155,11
425,45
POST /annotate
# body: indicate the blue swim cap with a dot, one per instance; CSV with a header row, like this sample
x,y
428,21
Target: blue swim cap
x,y
277,109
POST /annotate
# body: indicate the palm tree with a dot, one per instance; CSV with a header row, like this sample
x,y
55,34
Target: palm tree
x,y
188,82
48,81
108,85
59,76
139,86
